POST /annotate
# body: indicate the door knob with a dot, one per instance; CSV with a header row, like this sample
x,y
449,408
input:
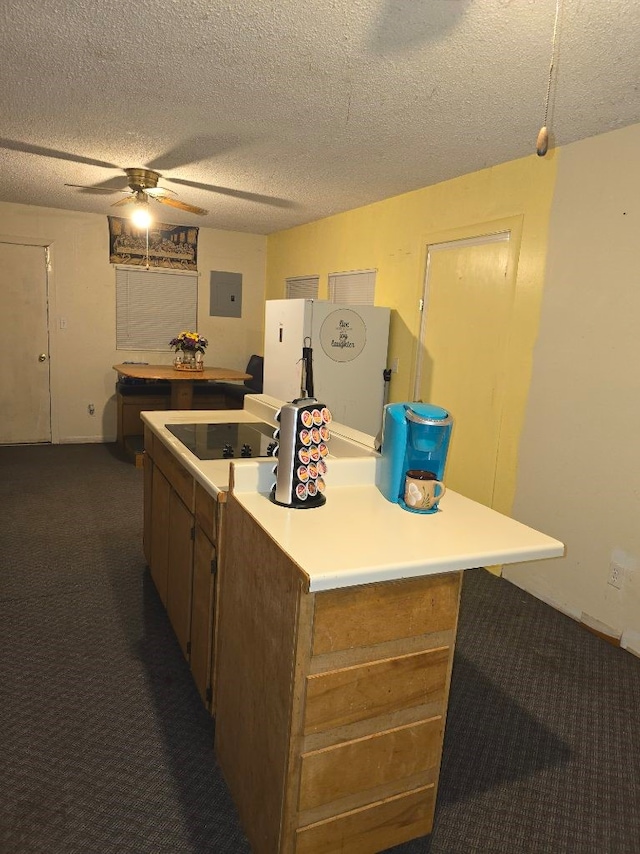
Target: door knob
x,y
42,357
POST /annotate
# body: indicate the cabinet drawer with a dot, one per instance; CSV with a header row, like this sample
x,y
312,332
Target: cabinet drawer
x,y
176,474
361,616
374,828
364,764
206,512
351,694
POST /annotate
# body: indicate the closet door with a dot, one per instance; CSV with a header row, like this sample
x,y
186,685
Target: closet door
x,y
25,397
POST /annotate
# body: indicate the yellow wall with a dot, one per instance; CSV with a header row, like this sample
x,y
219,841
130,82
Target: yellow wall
x,y
391,236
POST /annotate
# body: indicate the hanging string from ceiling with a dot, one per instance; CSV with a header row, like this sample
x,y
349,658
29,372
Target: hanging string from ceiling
x,y
542,143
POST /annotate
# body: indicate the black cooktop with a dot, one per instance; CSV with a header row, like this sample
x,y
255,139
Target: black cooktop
x,y
221,441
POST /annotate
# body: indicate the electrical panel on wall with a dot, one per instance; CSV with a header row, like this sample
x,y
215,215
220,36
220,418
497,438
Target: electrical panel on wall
x,y
225,294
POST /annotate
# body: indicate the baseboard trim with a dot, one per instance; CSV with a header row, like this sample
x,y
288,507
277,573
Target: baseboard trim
x,y
601,630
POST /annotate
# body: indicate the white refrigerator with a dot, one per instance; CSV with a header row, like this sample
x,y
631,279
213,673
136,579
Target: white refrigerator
x,y
349,352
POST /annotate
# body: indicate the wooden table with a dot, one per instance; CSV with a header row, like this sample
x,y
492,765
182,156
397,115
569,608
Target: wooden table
x,y
181,381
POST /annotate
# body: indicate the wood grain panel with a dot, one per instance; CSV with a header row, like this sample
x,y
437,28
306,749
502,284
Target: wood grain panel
x,y
161,491
202,613
206,511
217,581
129,409
180,571
373,828
147,529
377,613
366,763
392,649
148,441
260,592
351,694
176,474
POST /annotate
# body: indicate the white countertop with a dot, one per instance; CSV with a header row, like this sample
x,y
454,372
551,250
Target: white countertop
x,y
357,537
214,474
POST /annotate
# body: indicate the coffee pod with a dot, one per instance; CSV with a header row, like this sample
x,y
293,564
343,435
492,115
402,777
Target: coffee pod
x,y
304,455
305,437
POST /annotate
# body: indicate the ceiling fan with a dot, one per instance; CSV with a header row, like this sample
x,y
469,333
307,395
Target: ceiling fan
x,y
143,185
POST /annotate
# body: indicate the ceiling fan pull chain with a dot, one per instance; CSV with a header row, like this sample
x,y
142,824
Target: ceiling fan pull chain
x,y
542,142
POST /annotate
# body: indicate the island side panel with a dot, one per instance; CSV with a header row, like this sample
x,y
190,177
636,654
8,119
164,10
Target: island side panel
x,y
260,595
374,714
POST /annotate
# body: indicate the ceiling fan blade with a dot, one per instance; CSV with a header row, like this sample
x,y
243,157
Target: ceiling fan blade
x,y
156,192
15,145
174,203
236,194
126,201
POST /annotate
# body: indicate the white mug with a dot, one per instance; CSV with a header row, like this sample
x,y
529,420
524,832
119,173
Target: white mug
x,y
422,489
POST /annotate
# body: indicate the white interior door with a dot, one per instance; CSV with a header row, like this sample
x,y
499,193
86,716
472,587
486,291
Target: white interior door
x,y
468,301
25,397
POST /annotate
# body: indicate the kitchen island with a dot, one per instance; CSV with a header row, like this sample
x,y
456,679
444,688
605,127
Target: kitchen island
x,y
334,631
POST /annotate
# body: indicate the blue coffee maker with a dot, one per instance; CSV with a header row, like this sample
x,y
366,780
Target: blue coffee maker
x,y
415,436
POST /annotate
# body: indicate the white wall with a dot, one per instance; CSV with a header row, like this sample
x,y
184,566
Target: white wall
x,y
82,291
579,462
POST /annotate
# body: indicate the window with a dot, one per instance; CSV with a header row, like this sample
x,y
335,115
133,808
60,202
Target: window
x,y
302,287
153,306
355,288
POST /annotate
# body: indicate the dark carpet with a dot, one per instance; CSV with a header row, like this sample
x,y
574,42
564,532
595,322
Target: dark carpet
x,y
105,745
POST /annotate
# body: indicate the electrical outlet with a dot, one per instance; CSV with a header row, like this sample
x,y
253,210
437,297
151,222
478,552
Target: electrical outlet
x,y
394,365
616,575
91,409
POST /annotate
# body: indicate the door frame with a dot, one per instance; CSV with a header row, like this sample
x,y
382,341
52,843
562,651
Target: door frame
x,y
48,246
507,452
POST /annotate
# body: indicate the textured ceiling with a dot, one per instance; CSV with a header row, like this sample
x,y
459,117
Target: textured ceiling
x,y
272,113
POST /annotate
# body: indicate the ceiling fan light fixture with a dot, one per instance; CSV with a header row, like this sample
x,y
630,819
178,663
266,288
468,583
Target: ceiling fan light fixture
x,y
141,216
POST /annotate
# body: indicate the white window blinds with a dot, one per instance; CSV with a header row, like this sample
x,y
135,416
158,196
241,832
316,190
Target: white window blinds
x,y
153,306
302,287
357,287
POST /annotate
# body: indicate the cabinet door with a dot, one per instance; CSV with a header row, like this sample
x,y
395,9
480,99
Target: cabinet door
x,y
202,613
180,570
159,535
147,526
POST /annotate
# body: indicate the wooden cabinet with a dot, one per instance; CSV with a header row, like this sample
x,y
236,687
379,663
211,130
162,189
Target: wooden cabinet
x,y
180,571
180,543
330,705
208,515
159,533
